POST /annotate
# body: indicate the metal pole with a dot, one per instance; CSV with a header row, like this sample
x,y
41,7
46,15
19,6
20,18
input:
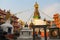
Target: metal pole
x,y
45,33
33,33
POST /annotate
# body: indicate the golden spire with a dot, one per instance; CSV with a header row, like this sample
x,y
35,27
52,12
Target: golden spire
x,y
36,5
36,12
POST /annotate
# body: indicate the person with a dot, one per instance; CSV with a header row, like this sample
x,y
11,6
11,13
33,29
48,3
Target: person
x,y
1,32
4,36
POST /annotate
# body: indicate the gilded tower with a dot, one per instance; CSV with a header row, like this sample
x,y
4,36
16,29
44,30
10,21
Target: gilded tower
x,y
36,11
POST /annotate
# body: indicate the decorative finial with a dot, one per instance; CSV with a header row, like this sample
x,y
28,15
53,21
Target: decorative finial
x,y
36,5
8,15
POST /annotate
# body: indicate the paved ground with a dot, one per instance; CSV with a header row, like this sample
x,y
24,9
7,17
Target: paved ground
x,y
38,39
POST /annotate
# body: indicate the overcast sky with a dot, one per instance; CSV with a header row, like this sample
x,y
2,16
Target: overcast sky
x,y
26,7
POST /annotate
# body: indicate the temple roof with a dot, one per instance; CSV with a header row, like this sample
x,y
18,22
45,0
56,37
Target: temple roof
x,y
2,12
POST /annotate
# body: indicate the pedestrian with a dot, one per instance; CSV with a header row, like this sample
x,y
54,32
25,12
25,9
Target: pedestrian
x,y
4,36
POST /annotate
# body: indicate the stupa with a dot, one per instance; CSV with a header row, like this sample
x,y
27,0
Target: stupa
x,y
25,33
7,27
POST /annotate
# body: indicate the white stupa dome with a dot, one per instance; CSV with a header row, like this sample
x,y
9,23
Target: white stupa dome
x,y
6,25
38,22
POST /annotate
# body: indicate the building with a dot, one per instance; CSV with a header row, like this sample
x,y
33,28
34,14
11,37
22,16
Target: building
x,y
14,22
36,17
57,19
2,16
